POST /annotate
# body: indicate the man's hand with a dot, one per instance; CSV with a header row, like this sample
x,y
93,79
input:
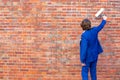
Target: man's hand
x,y
104,17
83,64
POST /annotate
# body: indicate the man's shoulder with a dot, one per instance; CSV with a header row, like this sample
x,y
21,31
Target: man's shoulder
x,y
93,28
85,34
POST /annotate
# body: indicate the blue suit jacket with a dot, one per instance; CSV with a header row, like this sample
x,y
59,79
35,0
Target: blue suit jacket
x,y
89,45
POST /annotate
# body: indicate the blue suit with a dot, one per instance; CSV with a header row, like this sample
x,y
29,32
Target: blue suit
x,y
90,48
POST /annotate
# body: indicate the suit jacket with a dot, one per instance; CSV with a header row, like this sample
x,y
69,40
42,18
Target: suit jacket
x,y
90,46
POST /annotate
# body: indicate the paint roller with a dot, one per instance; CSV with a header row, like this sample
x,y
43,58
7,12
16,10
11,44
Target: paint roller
x,y
99,13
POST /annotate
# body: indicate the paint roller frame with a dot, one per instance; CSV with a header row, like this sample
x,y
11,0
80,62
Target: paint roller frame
x,y
99,13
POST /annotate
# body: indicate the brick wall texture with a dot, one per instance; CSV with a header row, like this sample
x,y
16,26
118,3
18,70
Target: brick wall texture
x,y
39,39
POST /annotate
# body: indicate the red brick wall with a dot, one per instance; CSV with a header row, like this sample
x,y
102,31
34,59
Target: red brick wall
x,y
39,39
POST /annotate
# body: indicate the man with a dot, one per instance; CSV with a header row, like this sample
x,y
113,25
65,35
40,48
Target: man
x,y
90,48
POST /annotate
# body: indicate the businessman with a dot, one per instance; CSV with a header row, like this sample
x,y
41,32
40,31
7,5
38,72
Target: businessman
x,y
90,48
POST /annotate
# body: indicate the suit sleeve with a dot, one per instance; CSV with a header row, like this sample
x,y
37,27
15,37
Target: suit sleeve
x,y
83,49
100,27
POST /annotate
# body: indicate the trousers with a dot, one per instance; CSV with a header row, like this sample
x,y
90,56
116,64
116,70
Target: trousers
x,y
90,66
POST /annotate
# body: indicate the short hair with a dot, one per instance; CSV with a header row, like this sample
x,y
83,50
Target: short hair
x,y
86,24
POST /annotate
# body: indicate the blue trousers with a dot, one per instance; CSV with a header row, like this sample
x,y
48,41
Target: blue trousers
x,y
89,66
